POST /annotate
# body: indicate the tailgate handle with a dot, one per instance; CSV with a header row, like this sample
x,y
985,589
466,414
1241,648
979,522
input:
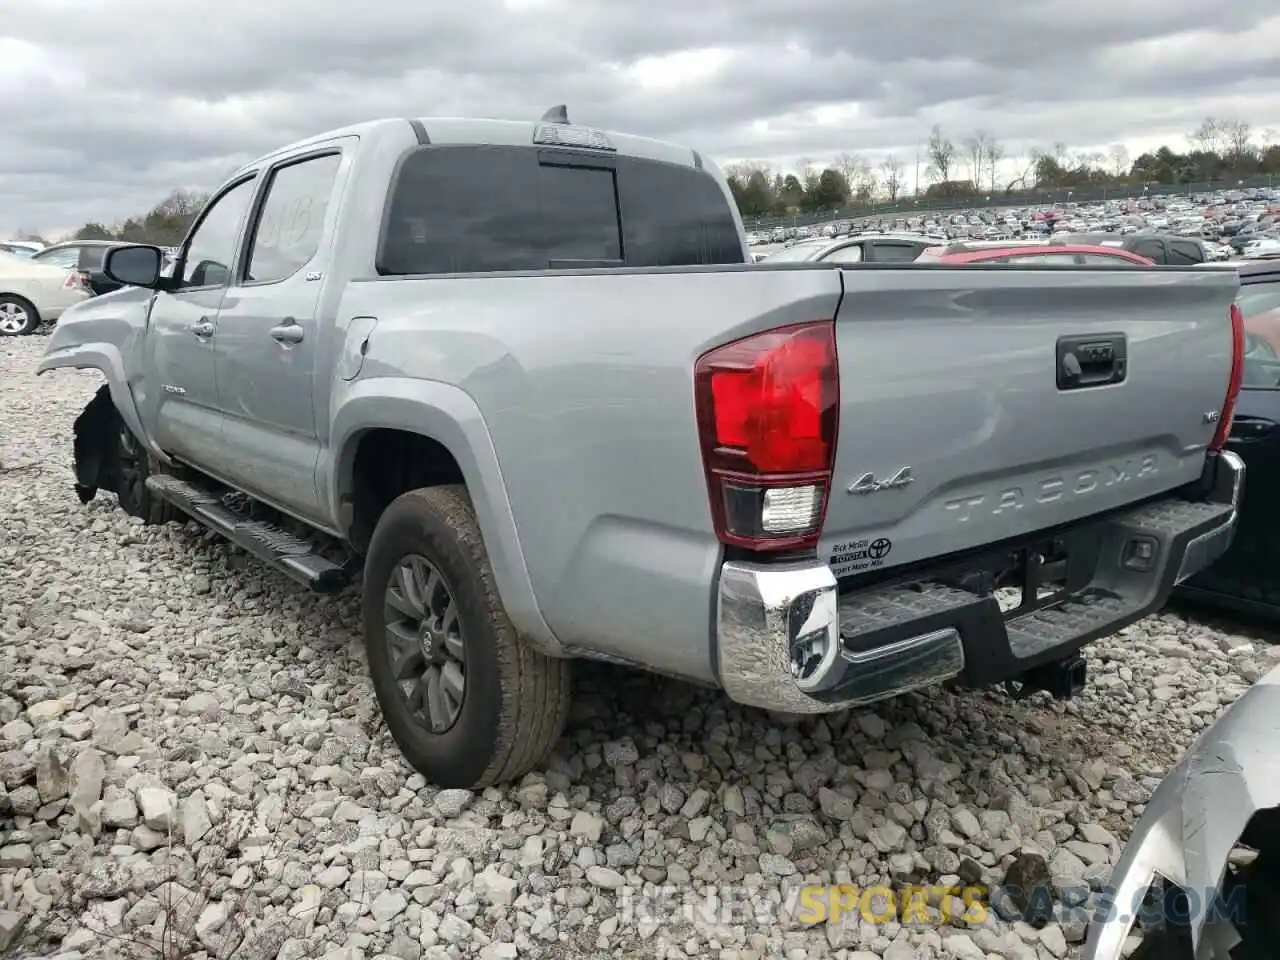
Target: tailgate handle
x,y
1092,361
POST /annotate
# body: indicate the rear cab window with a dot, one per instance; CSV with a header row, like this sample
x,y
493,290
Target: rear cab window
x,y
482,209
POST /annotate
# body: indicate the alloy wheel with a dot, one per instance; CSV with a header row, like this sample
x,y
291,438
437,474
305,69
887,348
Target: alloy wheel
x,y
13,318
425,643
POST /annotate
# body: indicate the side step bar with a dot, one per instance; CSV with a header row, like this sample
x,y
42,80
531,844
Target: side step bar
x,y
291,555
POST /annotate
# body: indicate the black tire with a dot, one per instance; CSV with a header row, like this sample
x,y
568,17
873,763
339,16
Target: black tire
x,y
132,464
18,316
515,700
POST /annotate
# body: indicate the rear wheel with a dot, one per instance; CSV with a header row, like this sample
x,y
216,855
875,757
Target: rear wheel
x,y
468,702
17,316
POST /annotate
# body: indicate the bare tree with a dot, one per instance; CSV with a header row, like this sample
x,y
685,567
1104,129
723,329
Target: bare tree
x,y
974,149
1092,159
1026,177
891,176
993,154
848,165
941,153
1118,155
1238,136
807,172
1209,136
977,148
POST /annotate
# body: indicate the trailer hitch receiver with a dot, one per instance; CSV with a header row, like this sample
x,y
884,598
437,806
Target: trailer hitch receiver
x,y
1062,679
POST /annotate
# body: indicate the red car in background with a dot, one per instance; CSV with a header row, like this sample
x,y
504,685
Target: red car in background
x,y
1033,254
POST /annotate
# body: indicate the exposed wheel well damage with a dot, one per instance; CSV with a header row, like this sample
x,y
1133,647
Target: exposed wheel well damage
x,y
388,463
95,446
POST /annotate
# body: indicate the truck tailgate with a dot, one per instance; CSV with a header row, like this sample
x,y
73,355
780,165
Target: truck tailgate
x,y
961,423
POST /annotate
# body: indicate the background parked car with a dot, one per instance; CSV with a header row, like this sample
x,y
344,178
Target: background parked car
x,y
19,248
85,256
1158,248
859,248
32,293
1247,578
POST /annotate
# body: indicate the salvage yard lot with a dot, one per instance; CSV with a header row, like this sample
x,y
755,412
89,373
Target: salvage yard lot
x,y
154,666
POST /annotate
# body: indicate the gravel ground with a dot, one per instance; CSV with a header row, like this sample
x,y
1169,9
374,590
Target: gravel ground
x,y
191,754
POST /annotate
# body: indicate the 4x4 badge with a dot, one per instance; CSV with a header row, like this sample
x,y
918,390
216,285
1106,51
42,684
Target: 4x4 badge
x,y
867,483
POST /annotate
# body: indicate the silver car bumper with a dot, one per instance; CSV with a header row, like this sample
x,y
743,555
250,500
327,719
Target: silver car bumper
x,y
787,639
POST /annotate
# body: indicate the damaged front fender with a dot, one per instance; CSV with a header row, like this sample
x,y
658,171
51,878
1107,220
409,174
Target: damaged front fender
x,y
1220,795
105,334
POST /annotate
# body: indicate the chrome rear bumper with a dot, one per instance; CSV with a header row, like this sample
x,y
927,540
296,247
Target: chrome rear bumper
x,y
788,640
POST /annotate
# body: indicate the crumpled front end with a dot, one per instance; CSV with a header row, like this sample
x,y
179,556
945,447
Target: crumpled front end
x,y
106,324
1223,795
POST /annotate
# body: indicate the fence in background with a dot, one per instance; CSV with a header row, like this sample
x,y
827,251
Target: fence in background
x,y
1031,198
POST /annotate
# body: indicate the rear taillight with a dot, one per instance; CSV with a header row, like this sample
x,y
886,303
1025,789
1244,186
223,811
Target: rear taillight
x,y
76,280
1233,385
768,409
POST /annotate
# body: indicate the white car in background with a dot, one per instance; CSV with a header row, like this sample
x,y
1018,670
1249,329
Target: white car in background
x,y
33,293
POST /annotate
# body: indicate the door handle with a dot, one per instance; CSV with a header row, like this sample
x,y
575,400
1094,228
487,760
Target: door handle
x,y
288,332
203,328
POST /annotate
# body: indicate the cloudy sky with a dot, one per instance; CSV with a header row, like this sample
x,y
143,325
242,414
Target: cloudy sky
x,y
106,105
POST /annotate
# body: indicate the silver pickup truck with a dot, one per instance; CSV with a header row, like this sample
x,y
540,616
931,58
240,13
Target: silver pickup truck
x,y
522,382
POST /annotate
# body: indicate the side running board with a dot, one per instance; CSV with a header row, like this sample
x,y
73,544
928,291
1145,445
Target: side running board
x,y
290,554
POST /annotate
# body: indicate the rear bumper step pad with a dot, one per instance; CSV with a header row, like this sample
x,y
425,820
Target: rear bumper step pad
x,y
789,639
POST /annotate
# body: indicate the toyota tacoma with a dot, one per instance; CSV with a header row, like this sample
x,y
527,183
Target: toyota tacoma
x,y
522,383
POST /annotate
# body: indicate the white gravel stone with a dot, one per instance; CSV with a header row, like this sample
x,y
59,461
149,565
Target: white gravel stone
x,y
188,736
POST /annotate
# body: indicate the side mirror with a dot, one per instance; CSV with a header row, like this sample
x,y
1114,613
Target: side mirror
x,y
135,265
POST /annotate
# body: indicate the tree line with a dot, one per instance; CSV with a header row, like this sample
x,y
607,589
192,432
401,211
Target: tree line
x,y
975,165
978,165
165,224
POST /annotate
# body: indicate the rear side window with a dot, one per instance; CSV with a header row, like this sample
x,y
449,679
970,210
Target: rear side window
x,y
895,252
91,258
68,257
478,209
1185,252
849,254
1153,250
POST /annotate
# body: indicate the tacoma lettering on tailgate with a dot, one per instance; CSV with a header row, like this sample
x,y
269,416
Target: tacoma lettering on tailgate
x,y
1048,489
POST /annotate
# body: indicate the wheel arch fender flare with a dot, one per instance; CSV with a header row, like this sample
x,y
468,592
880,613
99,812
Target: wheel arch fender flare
x,y
106,359
449,416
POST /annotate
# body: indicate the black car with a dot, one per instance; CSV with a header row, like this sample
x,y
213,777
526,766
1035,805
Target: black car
x,y
1157,247
1247,578
83,255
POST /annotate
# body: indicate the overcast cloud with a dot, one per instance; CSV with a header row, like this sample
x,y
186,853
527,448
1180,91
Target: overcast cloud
x,y
107,105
